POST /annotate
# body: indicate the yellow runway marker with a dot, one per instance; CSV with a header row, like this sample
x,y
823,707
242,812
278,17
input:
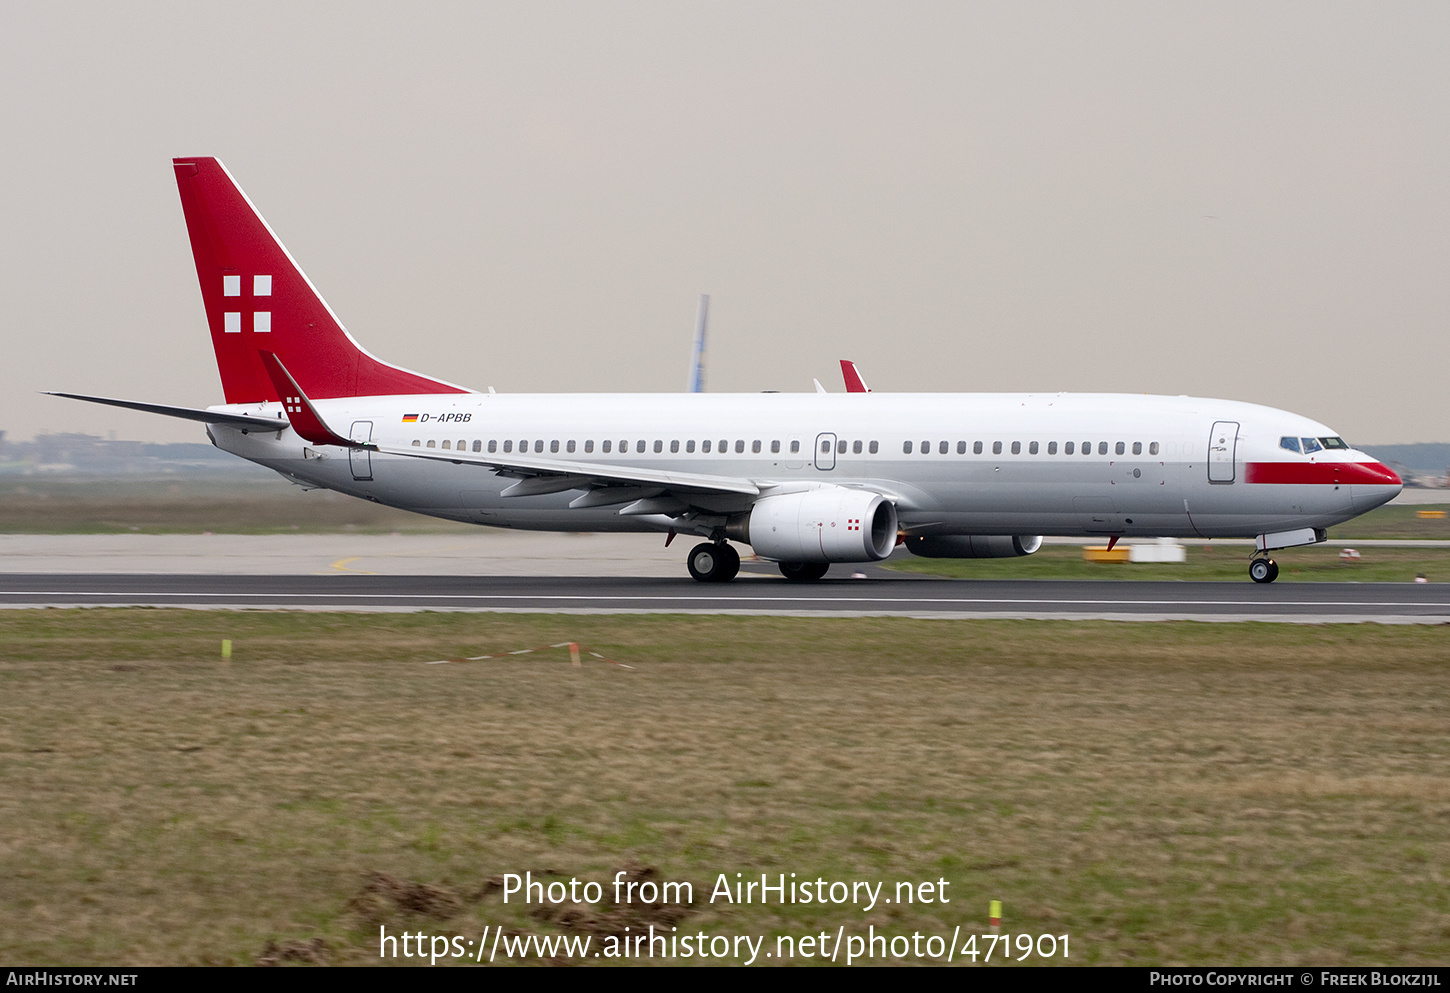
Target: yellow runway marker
x,y
341,566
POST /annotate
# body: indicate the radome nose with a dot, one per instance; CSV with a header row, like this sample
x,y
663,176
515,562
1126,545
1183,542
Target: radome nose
x,y
1375,484
1391,478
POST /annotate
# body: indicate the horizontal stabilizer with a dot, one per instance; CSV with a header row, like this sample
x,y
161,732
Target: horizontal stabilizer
x,y
186,413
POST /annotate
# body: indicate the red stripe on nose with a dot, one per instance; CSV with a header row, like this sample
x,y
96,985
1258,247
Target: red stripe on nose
x,y
1322,473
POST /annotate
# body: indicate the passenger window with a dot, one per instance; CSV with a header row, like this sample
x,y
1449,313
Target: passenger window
x,y
996,448
1069,448
659,446
855,448
624,446
639,446
417,443
477,446
873,448
961,448
977,448
1102,448
775,448
739,446
674,446
926,448
508,446
841,447
1153,448
724,446
432,443
1087,448
570,447
554,446
604,448
1052,448
1137,448
447,445
795,447
906,447
705,446
1016,448
589,446
690,445
1032,448
1120,449
825,446
462,444
755,446
942,447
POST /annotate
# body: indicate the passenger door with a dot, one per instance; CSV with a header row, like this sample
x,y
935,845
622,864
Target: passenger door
x,y
361,459
1222,448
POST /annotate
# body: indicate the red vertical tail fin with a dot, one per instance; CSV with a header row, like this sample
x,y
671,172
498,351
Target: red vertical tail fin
x,y
257,299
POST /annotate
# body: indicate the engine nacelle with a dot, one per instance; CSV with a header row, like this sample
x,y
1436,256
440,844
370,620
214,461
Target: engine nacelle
x,y
974,546
827,524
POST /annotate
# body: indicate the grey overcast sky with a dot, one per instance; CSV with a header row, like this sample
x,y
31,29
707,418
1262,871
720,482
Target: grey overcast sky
x,y
1242,200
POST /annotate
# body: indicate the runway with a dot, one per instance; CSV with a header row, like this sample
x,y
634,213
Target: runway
x,y
511,571
904,596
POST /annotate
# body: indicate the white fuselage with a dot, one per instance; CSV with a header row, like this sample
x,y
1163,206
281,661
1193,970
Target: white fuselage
x,y
980,464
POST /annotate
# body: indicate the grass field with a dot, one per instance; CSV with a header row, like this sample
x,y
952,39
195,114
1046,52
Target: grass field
x,y
1162,793
260,505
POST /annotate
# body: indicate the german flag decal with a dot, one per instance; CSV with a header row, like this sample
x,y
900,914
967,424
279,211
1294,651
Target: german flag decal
x,y
410,418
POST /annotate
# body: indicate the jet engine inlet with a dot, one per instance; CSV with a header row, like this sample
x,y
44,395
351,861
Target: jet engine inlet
x,y
827,524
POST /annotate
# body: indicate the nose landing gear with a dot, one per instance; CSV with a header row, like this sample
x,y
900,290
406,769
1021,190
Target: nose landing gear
x,y
713,563
1263,569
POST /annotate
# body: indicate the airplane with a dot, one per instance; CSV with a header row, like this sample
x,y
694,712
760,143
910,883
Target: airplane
x,y
807,480
696,382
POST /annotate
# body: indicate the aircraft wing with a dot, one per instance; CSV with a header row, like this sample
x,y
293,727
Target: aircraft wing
x,y
547,475
186,413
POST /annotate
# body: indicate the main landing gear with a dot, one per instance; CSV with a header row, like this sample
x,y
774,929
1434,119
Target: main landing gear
x,y
712,562
1263,569
803,572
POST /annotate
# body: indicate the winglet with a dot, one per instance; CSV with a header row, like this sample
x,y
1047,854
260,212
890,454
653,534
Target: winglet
x,y
854,382
304,417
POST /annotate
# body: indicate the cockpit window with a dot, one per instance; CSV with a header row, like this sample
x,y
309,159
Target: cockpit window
x,y
1311,445
1333,443
1289,444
